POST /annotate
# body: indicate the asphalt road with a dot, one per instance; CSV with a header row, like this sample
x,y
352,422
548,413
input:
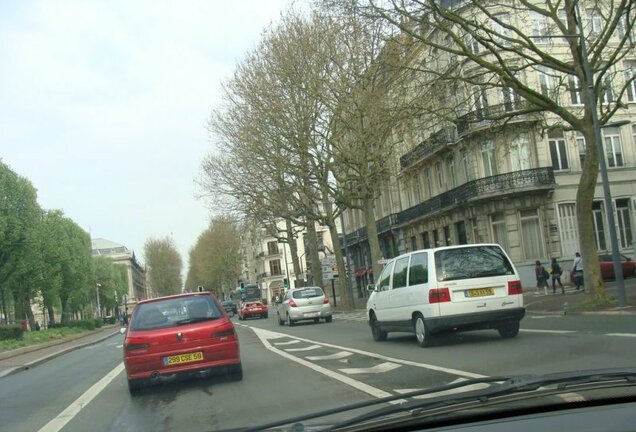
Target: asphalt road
x,y
297,370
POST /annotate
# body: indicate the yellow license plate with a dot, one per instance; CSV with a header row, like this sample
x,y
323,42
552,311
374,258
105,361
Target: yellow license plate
x,y
182,358
480,292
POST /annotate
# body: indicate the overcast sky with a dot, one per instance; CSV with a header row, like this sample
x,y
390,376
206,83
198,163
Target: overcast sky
x,y
103,106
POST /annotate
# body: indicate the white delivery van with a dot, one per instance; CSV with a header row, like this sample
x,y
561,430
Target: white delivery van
x,y
452,288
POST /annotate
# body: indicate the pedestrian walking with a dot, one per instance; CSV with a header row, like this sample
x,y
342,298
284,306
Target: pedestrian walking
x,y
577,271
556,276
542,277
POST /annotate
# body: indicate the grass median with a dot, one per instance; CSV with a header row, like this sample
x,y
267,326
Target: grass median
x,y
38,337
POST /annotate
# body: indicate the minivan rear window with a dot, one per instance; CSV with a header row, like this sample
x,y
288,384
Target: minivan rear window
x,y
471,262
308,293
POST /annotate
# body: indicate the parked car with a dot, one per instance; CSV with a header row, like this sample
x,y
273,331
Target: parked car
x,y
230,307
607,266
180,334
308,303
468,287
252,309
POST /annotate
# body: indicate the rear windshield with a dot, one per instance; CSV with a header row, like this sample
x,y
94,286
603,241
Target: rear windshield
x,y
174,312
308,293
471,262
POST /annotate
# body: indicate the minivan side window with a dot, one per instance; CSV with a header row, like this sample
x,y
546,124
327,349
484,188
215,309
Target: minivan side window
x,y
385,277
399,272
418,270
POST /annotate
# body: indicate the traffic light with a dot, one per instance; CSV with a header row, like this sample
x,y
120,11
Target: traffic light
x,y
286,283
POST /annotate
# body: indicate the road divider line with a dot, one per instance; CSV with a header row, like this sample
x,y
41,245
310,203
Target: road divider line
x,y
548,331
471,387
380,368
81,402
336,356
309,348
461,373
263,335
621,334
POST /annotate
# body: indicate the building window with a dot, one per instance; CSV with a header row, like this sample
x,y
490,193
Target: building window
x,y
425,240
429,182
634,135
500,24
511,99
580,145
481,101
624,223
436,238
472,43
575,90
608,93
558,152
488,158
595,22
568,229
613,147
466,166
630,75
440,176
460,229
274,268
520,153
451,172
548,83
539,26
499,231
475,230
413,243
599,226
447,236
531,237
272,248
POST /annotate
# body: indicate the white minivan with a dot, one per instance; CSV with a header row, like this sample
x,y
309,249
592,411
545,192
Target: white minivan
x,y
452,288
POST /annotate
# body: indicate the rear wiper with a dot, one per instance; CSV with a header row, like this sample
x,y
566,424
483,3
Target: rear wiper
x,y
502,385
195,320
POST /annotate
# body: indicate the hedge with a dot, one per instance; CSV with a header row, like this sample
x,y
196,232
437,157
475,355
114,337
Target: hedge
x,y
11,332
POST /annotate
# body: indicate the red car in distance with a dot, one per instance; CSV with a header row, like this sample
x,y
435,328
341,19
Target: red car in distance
x,y
607,266
180,334
252,309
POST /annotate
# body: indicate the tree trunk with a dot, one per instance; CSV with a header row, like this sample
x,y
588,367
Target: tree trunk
x,y
368,208
4,309
584,200
312,251
293,248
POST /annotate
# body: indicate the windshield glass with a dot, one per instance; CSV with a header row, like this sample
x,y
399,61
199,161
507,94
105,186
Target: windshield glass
x,y
221,215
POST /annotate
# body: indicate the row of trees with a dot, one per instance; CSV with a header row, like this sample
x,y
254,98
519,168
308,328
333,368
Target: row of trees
x,y
312,115
45,259
164,265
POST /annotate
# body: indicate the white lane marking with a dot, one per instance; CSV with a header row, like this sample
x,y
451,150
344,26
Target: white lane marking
x,y
309,348
81,402
621,334
275,335
336,356
291,342
380,368
119,346
548,331
477,386
263,335
571,397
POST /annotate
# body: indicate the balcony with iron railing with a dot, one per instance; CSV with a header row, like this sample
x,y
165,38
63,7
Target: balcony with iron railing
x,y
485,117
429,146
487,187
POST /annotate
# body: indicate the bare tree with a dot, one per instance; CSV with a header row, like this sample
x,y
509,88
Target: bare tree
x,y
470,46
164,265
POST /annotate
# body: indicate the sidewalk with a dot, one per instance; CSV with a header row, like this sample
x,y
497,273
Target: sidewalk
x,y
24,358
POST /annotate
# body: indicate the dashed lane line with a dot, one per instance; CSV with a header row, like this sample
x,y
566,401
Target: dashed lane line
x,y
621,334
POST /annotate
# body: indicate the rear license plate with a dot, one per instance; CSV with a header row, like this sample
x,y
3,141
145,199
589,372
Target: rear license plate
x,y
312,314
481,292
182,358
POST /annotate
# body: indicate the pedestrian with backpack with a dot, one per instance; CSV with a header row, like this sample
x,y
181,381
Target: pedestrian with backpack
x,y
556,276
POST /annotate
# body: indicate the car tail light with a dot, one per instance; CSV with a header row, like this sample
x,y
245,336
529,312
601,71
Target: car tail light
x,y
325,300
292,303
514,287
439,295
135,346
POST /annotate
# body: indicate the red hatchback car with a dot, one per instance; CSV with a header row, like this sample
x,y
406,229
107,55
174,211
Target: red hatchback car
x,y
179,334
607,266
252,309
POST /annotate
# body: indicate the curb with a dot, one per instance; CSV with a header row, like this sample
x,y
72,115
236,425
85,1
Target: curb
x,y
10,371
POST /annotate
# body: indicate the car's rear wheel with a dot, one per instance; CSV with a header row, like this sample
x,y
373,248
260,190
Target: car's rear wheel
x,y
329,319
376,331
265,316
236,371
316,320
134,385
290,323
280,321
422,334
509,330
